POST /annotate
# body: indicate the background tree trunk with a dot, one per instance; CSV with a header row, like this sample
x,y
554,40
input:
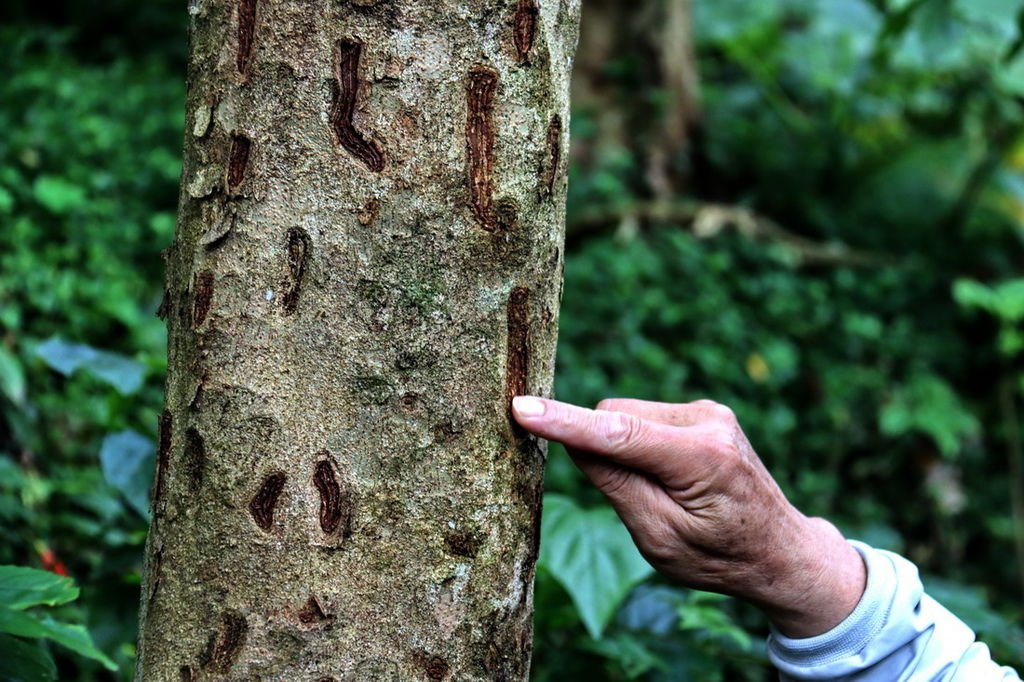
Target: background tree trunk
x,y
643,53
366,268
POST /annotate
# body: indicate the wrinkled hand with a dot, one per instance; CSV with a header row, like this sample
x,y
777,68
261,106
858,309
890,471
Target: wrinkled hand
x,y
703,509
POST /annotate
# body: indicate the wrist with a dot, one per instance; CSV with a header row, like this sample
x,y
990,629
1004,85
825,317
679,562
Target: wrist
x,y
815,581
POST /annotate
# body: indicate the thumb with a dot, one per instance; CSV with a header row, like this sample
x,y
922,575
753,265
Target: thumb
x,y
634,496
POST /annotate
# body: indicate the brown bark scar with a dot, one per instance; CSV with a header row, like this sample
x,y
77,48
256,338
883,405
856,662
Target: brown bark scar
x,y
195,458
299,247
165,304
265,500
203,297
163,456
518,359
483,83
313,612
462,544
246,34
435,667
369,213
197,397
225,644
158,561
525,28
238,160
335,504
554,160
346,91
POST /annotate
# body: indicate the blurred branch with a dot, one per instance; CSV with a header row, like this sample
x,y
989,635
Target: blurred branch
x,y
999,140
707,220
775,96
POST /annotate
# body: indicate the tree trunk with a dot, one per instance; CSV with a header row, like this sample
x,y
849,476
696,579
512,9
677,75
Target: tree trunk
x,y
366,269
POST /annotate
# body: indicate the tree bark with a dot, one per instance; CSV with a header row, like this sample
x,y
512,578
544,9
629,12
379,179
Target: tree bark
x,y
367,267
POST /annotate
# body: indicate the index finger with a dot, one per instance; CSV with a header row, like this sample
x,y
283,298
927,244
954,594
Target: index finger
x,y
674,414
659,449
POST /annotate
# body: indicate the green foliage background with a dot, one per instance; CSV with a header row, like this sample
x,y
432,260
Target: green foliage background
x,y
880,383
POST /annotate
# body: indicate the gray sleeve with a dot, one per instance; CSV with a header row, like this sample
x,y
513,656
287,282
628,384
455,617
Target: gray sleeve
x,y
897,633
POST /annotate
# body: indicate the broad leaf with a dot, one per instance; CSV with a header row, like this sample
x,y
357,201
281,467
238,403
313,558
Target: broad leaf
x,y
25,661
121,372
74,637
653,609
22,587
12,377
127,461
592,555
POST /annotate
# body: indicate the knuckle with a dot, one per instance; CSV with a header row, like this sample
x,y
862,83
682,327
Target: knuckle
x,y
723,413
609,405
716,411
620,430
722,445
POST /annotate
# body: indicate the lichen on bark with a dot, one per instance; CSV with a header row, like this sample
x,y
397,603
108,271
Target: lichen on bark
x,y
342,494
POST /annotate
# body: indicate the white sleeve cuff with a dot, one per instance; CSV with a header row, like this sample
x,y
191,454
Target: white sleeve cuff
x,y
896,633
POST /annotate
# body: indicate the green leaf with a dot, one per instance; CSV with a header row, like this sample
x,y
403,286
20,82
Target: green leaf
x,y
1011,76
1005,300
970,294
928,405
630,652
971,605
6,201
999,15
127,461
57,194
121,372
701,611
74,637
592,555
22,587
24,661
12,377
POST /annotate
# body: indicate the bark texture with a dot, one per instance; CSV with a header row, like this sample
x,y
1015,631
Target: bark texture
x,y
367,267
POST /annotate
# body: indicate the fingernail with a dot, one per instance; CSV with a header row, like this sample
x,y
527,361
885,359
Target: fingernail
x,y
525,406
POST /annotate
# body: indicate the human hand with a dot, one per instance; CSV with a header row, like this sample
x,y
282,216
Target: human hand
x,y
703,509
